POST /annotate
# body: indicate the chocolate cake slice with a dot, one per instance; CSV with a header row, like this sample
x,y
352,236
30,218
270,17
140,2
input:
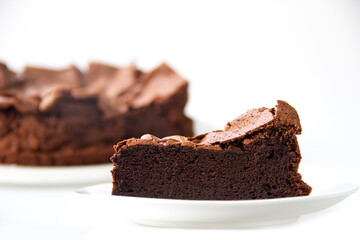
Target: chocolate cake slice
x,y
68,117
256,157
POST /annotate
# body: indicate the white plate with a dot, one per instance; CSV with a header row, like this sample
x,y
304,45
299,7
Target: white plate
x,y
67,175
205,213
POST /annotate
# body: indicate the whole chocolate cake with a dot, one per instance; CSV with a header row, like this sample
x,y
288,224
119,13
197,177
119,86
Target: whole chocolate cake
x,y
256,157
66,117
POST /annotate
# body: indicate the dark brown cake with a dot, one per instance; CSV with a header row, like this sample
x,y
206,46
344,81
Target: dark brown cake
x,y
66,117
256,157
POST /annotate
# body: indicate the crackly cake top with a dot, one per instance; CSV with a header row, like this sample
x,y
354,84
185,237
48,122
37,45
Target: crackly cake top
x,y
252,121
116,89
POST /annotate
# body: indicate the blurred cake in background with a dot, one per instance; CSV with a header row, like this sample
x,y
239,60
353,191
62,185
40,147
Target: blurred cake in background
x,y
67,117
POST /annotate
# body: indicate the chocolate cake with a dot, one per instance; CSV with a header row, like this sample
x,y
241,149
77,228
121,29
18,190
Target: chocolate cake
x,y
69,117
256,157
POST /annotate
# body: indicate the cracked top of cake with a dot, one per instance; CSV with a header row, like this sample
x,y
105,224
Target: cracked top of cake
x,y
252,121
116,90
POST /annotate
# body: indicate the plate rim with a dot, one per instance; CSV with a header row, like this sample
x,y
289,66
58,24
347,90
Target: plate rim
x,y
19,175
175,213
352,188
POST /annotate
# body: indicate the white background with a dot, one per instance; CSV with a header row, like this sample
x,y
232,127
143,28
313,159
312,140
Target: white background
x,y
236,55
